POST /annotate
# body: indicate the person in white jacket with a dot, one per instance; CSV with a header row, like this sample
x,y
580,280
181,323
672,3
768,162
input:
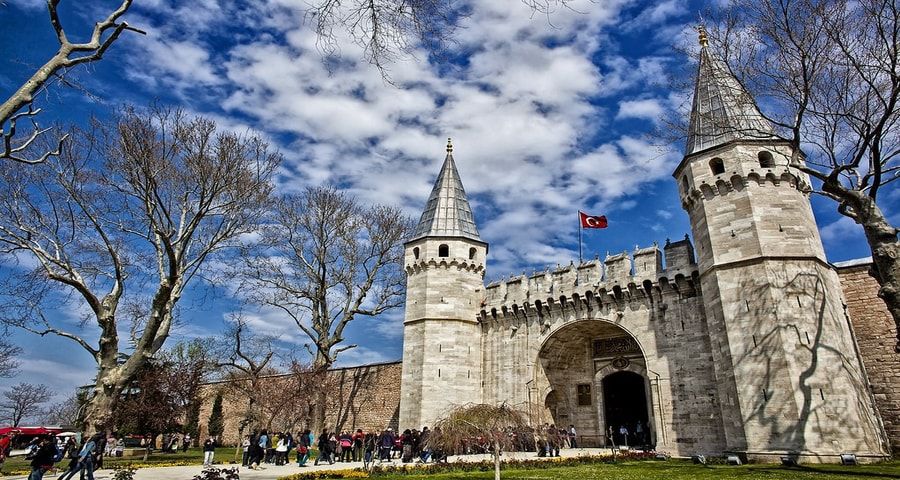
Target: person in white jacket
x,y
281,451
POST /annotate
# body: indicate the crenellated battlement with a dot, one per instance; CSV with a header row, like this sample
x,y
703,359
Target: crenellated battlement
x,y
618,276
459,263
725,183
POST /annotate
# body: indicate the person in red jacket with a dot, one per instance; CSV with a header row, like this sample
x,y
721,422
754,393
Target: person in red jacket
x,y
4,449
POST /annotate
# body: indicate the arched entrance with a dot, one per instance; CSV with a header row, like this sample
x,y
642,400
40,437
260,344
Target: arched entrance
x,y
625,405
573,364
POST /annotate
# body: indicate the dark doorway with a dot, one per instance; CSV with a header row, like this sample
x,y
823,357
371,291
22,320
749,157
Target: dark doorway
x,y
625,404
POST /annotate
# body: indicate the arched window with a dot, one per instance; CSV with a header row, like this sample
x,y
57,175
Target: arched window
x,y
416,253
684,184
766,160
717,166
472,252
443,250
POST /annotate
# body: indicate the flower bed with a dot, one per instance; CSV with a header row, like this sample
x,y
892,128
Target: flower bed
x,y
481,466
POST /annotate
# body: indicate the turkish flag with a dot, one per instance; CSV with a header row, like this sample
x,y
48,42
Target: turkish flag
x,y
592,221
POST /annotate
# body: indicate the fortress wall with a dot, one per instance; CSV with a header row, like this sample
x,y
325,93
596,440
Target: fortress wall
x,y
365,396
665,316
876,336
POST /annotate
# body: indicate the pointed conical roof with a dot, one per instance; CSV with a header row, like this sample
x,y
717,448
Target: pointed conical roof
x,y
723,110
447,213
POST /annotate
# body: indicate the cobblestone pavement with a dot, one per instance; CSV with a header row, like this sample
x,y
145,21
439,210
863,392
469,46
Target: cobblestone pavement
x,y
271,472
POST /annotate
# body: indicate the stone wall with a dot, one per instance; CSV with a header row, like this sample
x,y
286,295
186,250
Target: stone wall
x,y
876,336
366,397
538,330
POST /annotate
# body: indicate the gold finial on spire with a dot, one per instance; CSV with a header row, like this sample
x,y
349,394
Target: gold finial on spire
x,y
701,34
449,146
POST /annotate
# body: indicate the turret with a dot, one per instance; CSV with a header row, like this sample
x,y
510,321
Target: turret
x,y
444,263
783,354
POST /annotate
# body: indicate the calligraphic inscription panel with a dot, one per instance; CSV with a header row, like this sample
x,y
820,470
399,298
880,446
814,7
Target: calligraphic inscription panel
x,y
615,347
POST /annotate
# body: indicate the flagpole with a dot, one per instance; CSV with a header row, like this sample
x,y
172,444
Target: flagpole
x,y
580,254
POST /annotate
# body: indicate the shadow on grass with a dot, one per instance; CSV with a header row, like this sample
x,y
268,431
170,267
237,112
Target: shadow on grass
x,y
851,472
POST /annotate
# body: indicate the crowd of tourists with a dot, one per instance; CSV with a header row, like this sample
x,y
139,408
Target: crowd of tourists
x,y
281,448
46,451
331,447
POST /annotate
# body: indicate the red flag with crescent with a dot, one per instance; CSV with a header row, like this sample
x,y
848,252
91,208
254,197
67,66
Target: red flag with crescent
x,y
592,221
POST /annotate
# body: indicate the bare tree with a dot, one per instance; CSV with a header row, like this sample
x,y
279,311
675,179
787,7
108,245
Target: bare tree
x,y
168,193
69,412
324,260
246,359
9,353
191,364
23,401
827,74
497,426
19,106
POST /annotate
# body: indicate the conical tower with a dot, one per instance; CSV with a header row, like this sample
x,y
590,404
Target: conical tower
x,y
444,263
788,375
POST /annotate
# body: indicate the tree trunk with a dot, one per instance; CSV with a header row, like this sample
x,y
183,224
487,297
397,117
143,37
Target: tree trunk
x,y
885,248
317,420
496,462
98,414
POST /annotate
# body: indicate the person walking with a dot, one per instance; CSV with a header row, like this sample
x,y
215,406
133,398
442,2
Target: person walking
x,y
281,450
358,439
85,459
386,444
254,453
209,451
245,444
303,449
42,459
70,451
346,443
324,449
623,433
572,436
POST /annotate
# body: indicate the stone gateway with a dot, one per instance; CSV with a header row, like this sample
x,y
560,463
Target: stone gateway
x,y
736,343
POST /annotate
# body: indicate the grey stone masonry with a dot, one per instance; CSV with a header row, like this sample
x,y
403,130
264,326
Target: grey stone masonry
x,y
787,374
737,343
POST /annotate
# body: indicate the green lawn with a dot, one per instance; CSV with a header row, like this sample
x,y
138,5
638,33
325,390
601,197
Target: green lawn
x,y
676,470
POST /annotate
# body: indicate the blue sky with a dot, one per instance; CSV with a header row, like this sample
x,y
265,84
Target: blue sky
x,y
548,115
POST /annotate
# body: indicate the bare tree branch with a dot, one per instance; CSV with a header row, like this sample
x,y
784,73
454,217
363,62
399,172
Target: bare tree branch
x,y
69,55
170,192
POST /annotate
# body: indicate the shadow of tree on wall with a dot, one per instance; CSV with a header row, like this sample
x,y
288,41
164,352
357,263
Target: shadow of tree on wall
x,y
361,398
802,340
344,401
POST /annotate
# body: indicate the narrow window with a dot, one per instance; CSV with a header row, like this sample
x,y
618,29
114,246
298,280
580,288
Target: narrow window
x,y
684,184
584,394
766,160
472,253
717,166
443,250
416,253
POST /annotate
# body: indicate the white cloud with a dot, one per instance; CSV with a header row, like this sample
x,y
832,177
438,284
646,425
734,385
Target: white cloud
x,y
842,229
362,355
648,109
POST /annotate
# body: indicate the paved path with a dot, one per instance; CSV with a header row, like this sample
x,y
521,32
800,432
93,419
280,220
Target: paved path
x,y
271,472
